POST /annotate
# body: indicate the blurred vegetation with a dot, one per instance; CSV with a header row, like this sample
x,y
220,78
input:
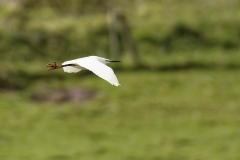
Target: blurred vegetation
x,y
49,28
43,31
181,104
183,115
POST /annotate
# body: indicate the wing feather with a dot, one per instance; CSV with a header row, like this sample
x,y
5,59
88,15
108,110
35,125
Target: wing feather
x,y
98,68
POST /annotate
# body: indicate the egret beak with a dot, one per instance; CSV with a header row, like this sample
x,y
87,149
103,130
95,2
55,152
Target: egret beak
x,y
53,66
113,61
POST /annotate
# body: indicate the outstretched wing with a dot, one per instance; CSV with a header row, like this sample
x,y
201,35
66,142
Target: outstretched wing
x,y
98,68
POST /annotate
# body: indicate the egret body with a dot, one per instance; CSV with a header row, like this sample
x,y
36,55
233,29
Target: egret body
x,y
93,63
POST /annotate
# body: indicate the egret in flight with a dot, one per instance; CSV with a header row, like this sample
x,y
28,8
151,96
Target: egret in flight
x,y
93,63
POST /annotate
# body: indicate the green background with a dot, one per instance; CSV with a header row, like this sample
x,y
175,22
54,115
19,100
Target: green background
x,y
181,103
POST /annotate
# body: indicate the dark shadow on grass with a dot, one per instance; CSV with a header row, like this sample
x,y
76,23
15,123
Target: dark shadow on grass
x,y
21,80
73,95
179,67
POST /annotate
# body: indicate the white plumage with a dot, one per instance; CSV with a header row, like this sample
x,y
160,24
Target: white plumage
x,y
93,63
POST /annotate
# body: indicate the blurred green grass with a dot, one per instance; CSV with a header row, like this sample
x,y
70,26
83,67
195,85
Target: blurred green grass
x,y
195,31
157,27
182,104
190,114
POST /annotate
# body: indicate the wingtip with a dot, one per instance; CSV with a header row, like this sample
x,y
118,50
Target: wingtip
x,y
115,82
117,85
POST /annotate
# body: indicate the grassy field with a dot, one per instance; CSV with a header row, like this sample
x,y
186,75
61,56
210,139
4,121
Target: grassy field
x,y
181,104
191,114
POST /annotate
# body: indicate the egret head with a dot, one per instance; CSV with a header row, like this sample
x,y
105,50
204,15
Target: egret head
x,y
104,60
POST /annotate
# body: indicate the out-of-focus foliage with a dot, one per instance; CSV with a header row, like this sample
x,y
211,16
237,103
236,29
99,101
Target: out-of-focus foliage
x,y
184,105
43,31
75,6
54,27
154,115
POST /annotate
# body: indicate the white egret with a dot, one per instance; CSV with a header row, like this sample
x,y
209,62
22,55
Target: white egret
x,y
93,63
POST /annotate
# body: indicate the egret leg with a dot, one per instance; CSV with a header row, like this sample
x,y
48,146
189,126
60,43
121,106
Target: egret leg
x,y
53,66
